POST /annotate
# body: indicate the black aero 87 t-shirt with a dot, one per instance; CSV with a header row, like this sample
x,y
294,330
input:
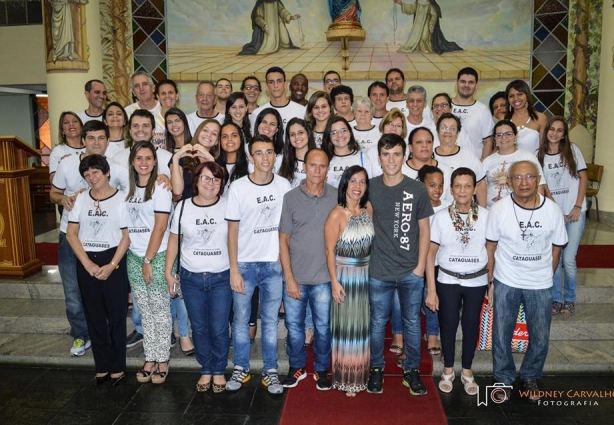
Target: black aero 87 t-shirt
x,y
396,212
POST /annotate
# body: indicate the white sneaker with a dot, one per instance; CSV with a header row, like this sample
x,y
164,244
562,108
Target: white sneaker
x,y
79,346
271,381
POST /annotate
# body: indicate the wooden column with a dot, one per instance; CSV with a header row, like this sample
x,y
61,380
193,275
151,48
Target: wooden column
x,y
17,250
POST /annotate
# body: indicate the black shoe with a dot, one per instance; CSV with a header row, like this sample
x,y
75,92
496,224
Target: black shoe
x,y
173,339
295,375
133,339
102,379
376,380
116,381
411,379
533,391
322,381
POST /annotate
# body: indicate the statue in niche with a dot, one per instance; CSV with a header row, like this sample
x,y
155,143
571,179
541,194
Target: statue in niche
x,y
269,32
425,35
62,30
344,10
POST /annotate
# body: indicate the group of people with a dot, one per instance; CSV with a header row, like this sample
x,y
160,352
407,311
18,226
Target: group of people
x,y
347,212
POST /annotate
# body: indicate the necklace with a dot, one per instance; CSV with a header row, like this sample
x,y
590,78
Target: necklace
x,y
523,126
523,232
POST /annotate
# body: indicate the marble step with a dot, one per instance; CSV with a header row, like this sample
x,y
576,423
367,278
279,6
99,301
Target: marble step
x,y
25,316
595,286
564,357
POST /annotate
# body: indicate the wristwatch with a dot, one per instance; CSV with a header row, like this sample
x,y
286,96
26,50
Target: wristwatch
x,y
147,260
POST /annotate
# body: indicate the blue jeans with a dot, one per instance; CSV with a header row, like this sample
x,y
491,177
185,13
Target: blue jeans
x,y
318,298
308,318
136,316
67,266
568,263
381,293
179,312
537,305
208,298
432,317
396,321
267,277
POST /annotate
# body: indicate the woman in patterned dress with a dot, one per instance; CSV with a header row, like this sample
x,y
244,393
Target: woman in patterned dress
x,y
348,235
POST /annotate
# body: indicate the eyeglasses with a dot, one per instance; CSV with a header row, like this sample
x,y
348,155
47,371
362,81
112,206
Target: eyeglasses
x,y
519,177
331,82
210,180
340,132
506,135
391,125
260,154
440,105
444,128
251,88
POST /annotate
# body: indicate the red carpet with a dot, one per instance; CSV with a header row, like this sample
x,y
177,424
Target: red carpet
x,y
306,405
47,252
595,257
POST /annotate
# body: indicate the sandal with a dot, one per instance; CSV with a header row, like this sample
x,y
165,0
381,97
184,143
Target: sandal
x,y
556,307
395,349
445,383
159,376
568,308
434,351
144,376
471,388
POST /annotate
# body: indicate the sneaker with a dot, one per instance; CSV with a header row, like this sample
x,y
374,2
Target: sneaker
x,y
79,346
173,339
238,378
295,375
271,381
322,381
533,391
376,380
133,339
411,379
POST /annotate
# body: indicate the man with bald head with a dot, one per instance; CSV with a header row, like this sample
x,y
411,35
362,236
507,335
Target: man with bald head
x,y
525,235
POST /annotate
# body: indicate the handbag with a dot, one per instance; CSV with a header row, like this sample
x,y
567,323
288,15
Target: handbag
x,y
520,338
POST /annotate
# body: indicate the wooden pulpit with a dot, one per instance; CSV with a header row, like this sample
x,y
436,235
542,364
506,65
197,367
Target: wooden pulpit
x,y
17,250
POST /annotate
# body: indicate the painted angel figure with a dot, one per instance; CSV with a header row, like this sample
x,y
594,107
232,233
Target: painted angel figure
x,y
425,35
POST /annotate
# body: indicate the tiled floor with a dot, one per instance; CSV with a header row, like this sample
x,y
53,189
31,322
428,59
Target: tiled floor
x,y
57,396
367,61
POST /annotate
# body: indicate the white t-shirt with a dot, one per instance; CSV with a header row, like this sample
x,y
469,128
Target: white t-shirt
x,y
444,204
496,167
287,112
341,163
100,226
524,260
115,147
477,121
367,138
164,158
376,121
563,187
460,252
194,120
142,218
85,117
204,245
299,174
60,152
257,208
463,158
159,132
68,179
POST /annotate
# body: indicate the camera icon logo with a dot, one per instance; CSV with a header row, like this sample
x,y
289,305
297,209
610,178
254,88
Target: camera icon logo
x,y
497,393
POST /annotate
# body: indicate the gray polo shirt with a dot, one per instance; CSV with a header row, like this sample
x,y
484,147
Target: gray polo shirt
x,y
302,217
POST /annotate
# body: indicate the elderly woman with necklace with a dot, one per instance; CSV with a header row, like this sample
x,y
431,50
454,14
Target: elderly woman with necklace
x,y
458,242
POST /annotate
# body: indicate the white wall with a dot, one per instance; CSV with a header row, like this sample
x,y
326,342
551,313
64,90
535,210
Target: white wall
x,y
16,117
